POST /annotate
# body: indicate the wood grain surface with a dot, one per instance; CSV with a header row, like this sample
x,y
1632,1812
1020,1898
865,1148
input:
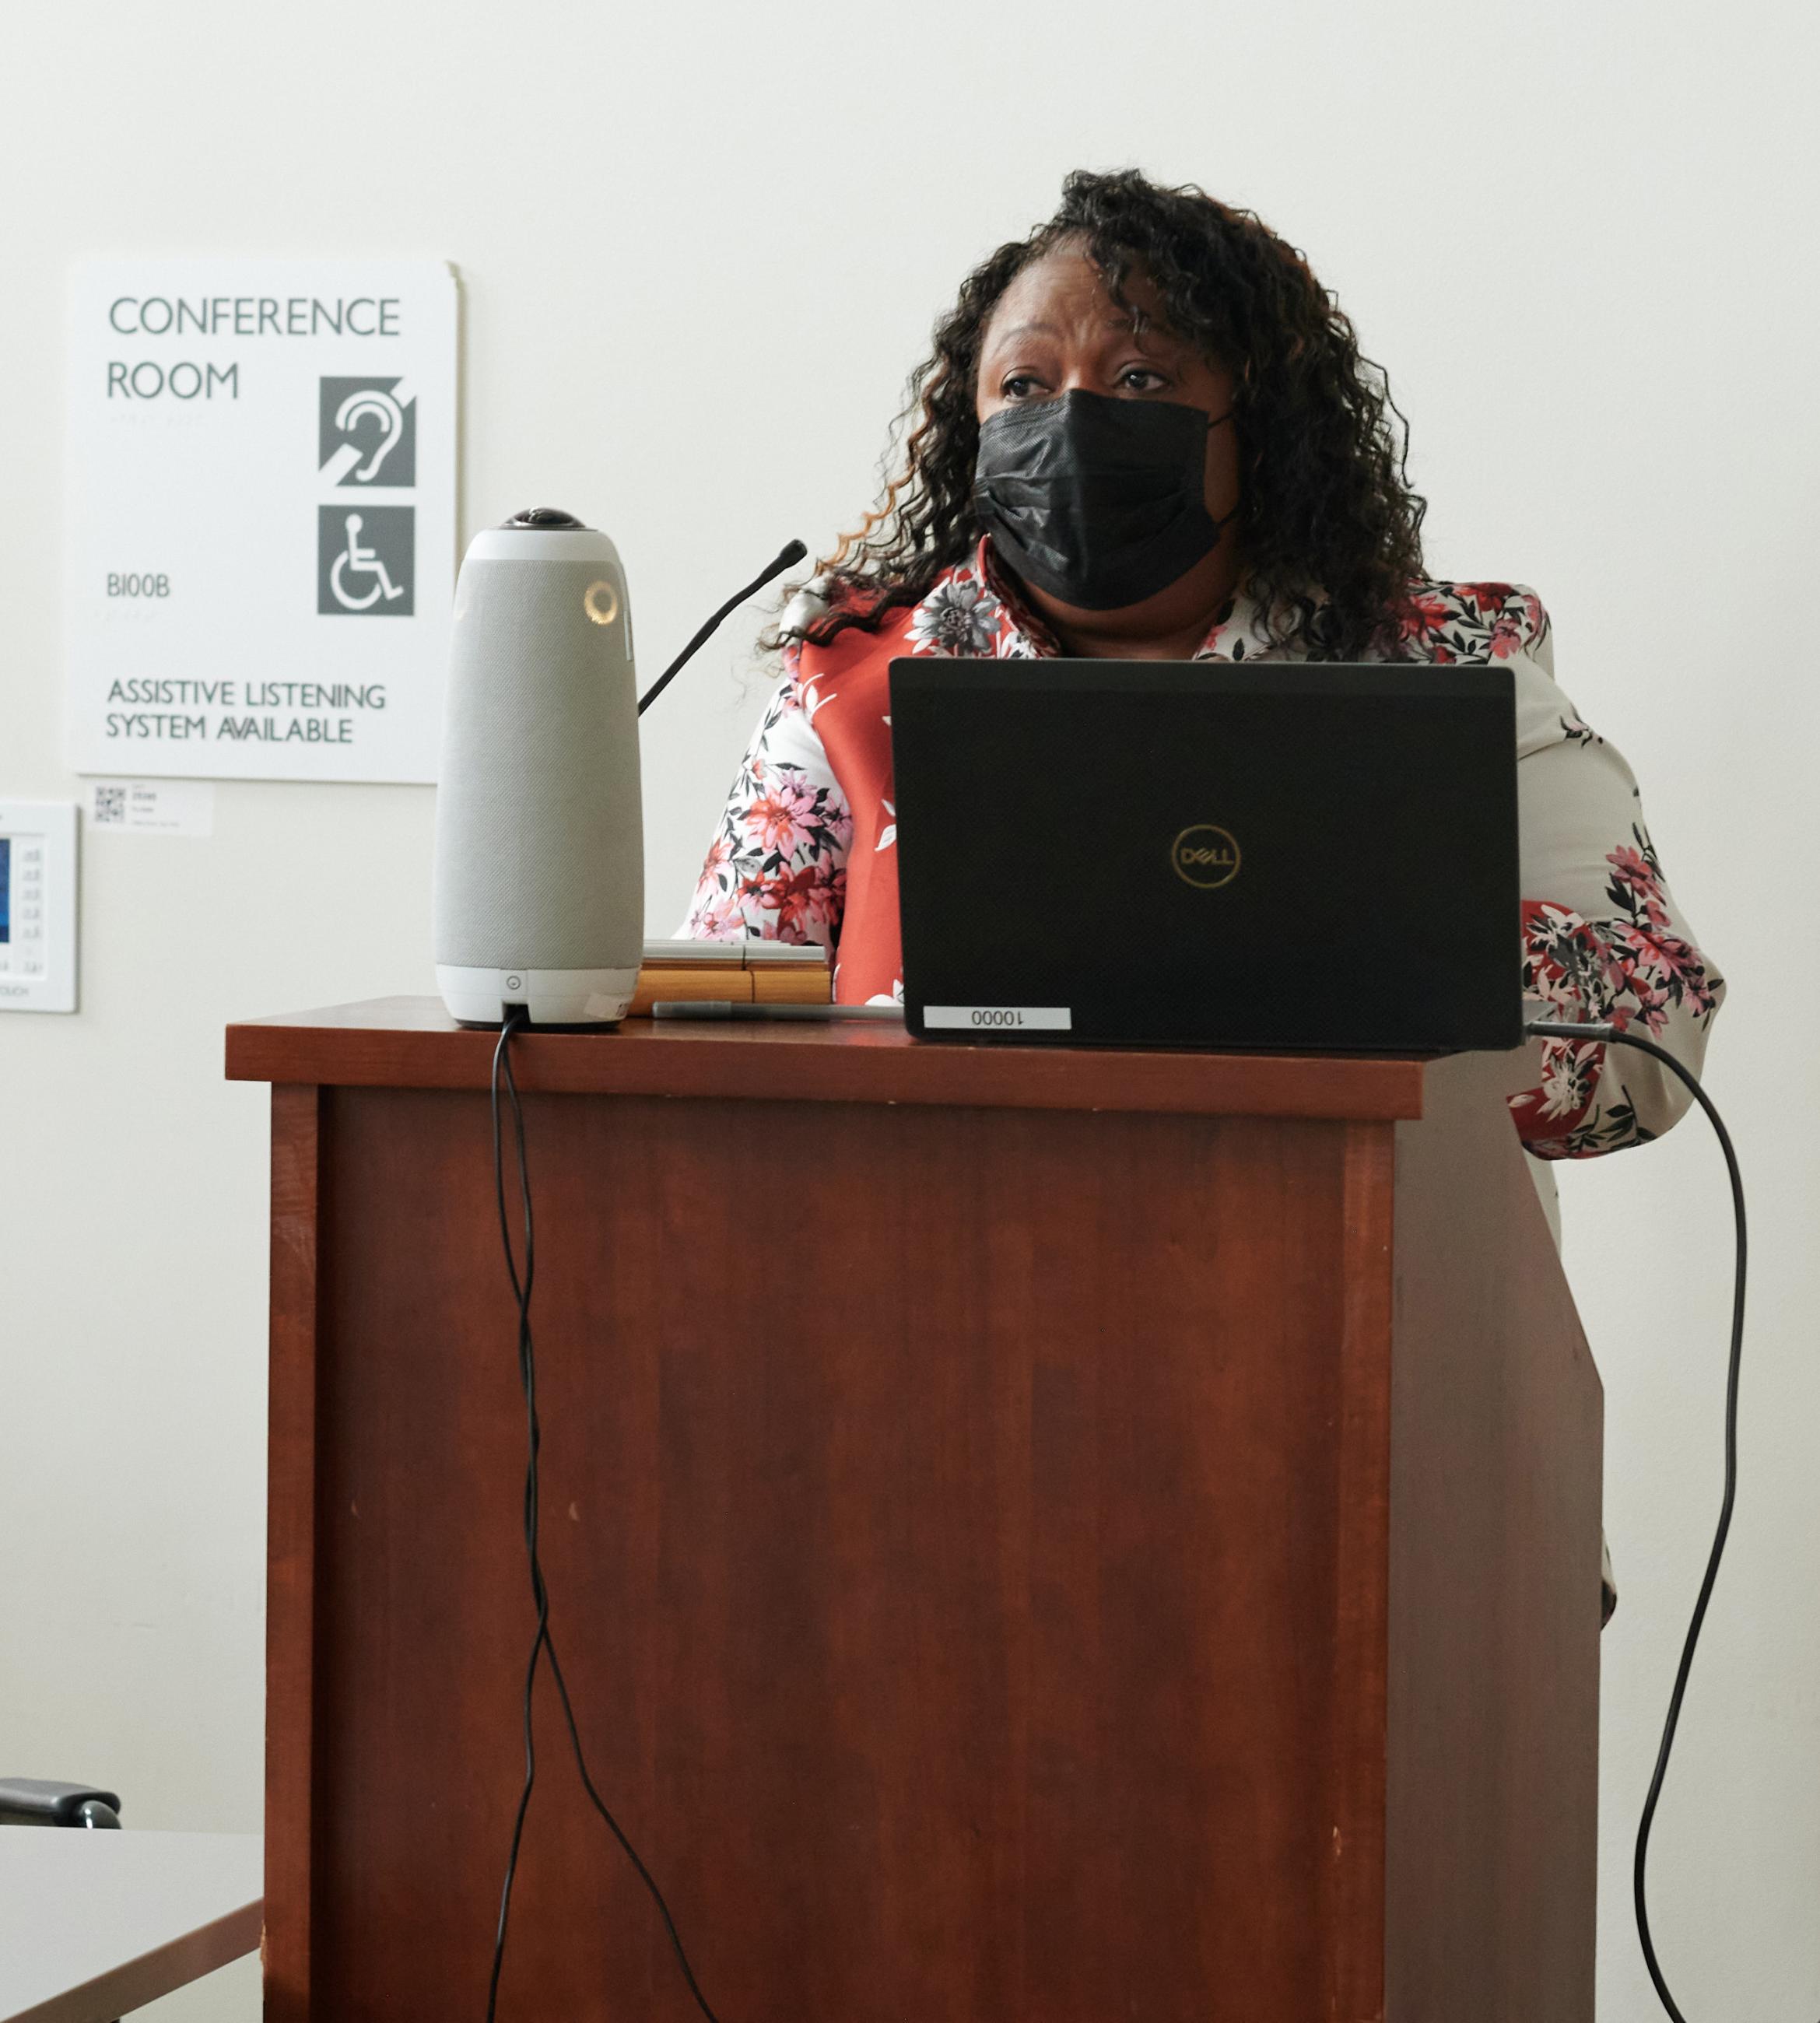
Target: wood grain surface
x,y
978,1540
1496,1481
412,1042
290,1536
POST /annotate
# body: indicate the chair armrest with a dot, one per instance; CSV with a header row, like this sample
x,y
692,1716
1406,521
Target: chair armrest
x,y
41,1801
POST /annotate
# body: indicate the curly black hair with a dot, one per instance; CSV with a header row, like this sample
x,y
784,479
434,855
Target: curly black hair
x,y
1326,501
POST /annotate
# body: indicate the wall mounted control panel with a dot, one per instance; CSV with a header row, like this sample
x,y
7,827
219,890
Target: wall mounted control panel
x,y
38,905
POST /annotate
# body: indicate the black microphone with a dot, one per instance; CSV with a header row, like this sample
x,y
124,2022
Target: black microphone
x,y
788,559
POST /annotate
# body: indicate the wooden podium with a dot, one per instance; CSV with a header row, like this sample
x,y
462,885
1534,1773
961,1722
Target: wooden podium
x,y
1037,1536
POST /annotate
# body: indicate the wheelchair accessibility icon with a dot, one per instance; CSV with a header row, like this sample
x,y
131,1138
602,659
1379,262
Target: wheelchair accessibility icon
x,y
364,561
361,562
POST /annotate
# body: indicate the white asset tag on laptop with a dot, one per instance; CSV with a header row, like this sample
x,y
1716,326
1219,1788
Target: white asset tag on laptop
x,y
1000,1018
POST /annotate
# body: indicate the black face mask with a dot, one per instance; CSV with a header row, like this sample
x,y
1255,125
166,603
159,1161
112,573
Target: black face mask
x,y
1101,501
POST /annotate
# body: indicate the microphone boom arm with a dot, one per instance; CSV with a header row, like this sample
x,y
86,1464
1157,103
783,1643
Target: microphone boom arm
x,y
788,558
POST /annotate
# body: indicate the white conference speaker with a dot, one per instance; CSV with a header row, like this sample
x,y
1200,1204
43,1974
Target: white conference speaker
x,y
540,884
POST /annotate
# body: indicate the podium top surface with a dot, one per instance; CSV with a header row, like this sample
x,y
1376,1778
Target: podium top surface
x,y
412,1042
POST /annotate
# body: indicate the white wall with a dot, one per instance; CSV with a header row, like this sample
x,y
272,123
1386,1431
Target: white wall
x,y
701,248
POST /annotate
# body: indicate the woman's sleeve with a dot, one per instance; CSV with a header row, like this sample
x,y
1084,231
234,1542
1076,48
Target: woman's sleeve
x,y
1602,938
777,868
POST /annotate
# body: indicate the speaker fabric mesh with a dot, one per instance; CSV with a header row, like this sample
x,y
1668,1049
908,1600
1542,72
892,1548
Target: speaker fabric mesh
x,y
540,832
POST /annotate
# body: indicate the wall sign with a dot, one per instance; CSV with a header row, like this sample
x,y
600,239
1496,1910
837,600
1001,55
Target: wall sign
x,y
261,517
150,807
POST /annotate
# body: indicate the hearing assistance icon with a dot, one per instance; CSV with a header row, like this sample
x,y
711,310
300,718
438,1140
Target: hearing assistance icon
x,y
365,561
366,434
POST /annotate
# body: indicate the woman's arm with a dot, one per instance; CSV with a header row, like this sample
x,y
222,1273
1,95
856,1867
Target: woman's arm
x,y
1602,938
777,868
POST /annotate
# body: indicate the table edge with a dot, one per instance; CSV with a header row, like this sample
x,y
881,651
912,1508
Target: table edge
x,y
375,1045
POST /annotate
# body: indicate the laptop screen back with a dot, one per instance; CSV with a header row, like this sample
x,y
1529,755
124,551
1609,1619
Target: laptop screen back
x,y
1202,854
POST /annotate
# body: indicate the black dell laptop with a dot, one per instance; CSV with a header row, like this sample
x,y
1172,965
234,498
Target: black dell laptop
x,y
1208,854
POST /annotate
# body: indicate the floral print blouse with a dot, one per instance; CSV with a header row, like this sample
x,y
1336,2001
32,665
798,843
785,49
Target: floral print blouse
x,y
805,848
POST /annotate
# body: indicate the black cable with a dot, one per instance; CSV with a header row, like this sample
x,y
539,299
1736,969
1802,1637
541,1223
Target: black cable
x,y
787,559
527,1375
543,1643
1605,1034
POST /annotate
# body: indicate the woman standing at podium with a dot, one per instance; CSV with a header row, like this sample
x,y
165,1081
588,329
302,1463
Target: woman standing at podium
x,y
1146,432
1149,330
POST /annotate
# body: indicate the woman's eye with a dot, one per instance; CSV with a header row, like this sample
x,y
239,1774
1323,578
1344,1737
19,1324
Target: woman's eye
x,y
1140,379
1017,387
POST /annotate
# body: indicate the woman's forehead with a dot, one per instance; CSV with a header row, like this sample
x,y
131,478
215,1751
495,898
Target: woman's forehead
x,y
1063,291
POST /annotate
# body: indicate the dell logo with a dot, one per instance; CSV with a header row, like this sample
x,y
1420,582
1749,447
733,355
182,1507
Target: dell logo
x,y
1205,854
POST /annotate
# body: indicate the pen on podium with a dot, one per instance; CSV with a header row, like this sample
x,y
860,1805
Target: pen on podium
x,y
722,1007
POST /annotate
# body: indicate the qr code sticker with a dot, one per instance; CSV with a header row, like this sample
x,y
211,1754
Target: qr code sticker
x,y
110,804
